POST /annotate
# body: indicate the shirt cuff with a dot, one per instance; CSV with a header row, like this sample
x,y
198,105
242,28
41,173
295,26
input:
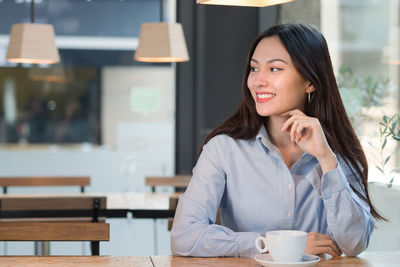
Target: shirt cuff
x,y
247,248
333,181
314,177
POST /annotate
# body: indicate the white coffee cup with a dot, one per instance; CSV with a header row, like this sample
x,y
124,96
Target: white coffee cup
x,y
283,245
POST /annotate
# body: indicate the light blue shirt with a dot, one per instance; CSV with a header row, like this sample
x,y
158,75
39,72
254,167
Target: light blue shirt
x,y
257,193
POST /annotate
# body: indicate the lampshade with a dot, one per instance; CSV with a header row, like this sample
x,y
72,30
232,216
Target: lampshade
x,y
161,42
255,3
32,43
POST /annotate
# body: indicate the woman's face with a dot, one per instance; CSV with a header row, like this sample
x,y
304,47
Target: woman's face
x,y
274,82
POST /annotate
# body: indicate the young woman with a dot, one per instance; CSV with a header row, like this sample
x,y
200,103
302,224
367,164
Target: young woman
x,y
288,158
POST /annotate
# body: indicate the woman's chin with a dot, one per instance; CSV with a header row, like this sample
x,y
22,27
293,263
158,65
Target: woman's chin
x,y
264,112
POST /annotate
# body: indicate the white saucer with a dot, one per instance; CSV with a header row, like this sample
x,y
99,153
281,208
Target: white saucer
x,y
306,261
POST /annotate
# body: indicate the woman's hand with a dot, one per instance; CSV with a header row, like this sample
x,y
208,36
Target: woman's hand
x,y
319,243
309,136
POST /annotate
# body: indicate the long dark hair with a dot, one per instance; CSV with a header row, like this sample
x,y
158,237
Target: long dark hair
x,y
309,52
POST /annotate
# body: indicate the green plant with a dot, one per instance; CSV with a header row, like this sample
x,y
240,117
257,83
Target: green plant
x,y
360,93
389,127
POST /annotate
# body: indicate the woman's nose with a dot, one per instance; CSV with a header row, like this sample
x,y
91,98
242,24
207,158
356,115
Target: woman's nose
x,y
261,79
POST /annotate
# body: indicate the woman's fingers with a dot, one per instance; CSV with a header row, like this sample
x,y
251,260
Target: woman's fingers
x,y
293,130
299,129
319,243
329,251
328,243
321,250
294,115
288,123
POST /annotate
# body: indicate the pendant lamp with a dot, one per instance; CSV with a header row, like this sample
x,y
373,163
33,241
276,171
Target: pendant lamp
x,y
32,43
161,42
253,3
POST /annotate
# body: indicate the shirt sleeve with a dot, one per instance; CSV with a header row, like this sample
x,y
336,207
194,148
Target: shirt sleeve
x,y
348,216
194,232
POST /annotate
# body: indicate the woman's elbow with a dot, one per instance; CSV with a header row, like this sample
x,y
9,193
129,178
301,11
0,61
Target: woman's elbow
x,y
357,239
355,247
353,251
180,246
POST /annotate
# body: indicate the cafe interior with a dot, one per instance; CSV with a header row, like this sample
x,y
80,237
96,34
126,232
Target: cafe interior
x,y
104,105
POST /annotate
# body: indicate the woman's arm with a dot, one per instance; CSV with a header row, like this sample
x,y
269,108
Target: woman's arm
x,y
349,220
194,232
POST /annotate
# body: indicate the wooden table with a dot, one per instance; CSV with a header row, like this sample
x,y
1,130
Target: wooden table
x,y
71,261
370,259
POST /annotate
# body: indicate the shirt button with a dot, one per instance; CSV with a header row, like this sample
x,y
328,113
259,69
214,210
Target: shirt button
x,y
288,214
290,186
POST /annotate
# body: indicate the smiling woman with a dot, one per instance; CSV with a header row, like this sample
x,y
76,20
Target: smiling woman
x,y
288,158
273,77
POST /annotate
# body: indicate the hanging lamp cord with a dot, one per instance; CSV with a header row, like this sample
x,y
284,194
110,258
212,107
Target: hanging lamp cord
x,y
161,10
32,11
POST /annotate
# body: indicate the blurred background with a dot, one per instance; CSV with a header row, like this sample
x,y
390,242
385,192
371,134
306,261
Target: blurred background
x,y
100,113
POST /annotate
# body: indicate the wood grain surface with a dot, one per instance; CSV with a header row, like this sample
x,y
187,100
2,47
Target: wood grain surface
x,y
71,261
45,181
54,231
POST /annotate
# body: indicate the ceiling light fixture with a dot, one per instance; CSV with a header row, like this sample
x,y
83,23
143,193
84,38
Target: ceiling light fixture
x,y
253,3
32,43
161,42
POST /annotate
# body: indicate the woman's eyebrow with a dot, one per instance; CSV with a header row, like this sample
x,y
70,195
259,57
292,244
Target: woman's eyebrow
x,y
277,59
270,60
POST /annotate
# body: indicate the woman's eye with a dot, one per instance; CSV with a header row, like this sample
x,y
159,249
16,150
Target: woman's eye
x,y
252,69
275,69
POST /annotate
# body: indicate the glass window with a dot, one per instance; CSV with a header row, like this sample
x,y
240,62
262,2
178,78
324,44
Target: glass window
x,y
62,103
45,105
363,38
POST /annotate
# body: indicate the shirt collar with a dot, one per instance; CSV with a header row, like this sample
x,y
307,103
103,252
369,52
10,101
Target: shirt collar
x,y
262,135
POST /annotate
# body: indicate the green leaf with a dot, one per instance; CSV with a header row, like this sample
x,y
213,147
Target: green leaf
x,y
384,144
397,138
385,119
379,168
394,124
386,160
391,182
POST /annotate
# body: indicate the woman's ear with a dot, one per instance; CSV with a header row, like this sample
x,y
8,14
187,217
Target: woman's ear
x,y
310,88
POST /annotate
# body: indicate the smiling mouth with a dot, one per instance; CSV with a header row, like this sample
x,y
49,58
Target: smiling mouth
x,y
264,97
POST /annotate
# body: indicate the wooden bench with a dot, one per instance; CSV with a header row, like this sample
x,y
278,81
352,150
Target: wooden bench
x,y
180,182
81,181
45,227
